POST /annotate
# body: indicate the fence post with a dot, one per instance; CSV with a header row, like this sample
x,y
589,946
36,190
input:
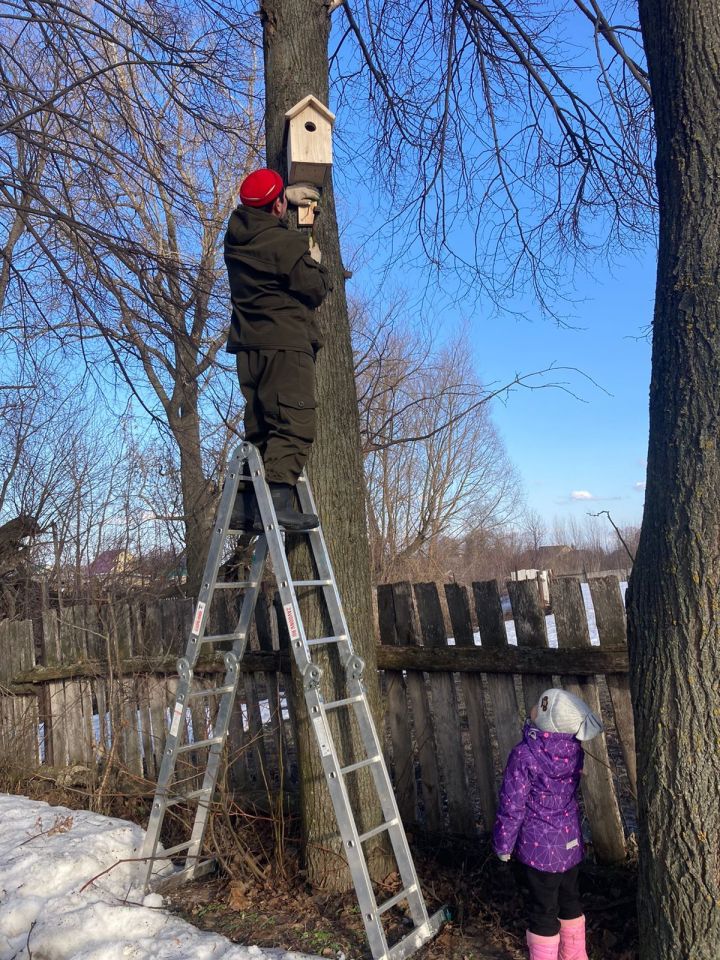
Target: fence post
x,y
397,711
531,631
19,716
445,715
601,804
472,687
501,687
408,635
610,620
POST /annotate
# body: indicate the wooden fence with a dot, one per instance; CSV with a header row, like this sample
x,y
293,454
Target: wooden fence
x,y
99,681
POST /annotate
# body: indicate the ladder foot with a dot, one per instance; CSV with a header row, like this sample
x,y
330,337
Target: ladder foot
x,y
413,941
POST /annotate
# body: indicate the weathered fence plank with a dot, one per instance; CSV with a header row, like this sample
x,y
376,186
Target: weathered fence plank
x,y
601,804
397,712
474,695
583,662
127,674
57,723
253,661
445,715
408,636
18,714
610,620
130,742
267,641
531,632
493,637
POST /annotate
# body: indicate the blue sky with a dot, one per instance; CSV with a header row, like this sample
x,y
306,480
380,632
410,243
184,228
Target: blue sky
x,y
577,451
564,446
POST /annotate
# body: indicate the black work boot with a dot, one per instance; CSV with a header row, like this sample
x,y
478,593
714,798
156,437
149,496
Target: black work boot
x,y
245,514
287,516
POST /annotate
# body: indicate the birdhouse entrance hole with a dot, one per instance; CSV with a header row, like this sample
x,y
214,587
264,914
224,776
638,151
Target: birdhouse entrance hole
x,y
310,126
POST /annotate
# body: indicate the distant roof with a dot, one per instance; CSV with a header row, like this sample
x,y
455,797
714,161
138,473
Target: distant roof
x,y
105,562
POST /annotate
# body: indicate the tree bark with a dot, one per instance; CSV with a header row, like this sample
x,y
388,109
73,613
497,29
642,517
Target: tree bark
x,y
673,601
296,63
197,493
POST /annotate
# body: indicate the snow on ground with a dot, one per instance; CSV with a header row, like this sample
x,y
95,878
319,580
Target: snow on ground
x,y
48,855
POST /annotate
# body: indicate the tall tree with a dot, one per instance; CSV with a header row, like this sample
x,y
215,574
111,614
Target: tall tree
x,y
296,36
444,81
153,279
673,616
434,464
124,132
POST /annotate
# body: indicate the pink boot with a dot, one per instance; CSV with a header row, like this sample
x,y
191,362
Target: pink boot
x,y
543,948
572,939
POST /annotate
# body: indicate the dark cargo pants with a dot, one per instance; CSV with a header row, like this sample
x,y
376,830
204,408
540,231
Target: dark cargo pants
x,y
279,391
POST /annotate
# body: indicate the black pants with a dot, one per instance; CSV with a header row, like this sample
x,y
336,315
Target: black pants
x,y
553,897
279,391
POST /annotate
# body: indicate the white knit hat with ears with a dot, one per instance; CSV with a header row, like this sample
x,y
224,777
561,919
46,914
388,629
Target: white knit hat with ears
x,y
561,712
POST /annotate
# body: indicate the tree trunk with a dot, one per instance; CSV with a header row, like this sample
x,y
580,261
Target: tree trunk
x,y
296,64
674,592
196,489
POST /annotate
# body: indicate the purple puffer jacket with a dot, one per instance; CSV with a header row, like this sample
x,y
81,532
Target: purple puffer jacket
x,y
538,816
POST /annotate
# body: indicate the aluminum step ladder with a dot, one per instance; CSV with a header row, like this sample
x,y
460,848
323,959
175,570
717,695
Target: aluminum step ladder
x,y
246,466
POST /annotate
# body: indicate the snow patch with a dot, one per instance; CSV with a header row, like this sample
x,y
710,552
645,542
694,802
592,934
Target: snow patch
x,y
56,896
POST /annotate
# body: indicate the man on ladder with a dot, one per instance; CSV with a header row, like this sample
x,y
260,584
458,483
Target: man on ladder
x,y
276,283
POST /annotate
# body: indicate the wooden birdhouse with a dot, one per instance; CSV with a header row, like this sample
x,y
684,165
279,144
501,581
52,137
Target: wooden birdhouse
x,y
309,141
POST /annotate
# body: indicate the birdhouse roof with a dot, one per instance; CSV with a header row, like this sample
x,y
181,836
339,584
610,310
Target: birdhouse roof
x,y
310,101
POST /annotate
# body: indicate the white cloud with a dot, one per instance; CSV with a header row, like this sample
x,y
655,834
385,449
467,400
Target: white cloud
x,y
581,495
640,485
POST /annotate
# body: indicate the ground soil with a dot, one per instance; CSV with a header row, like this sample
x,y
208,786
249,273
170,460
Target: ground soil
x,y
485,898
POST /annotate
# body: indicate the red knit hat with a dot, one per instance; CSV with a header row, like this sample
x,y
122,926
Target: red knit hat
x,y
260,188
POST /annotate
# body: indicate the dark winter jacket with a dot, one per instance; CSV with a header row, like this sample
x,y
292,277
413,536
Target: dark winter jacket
x,y
538,816
274,284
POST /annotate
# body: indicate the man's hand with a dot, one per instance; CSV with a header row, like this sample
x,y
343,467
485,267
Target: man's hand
x,y
315,252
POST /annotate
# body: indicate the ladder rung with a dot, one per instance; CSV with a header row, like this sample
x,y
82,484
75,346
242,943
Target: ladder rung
x,y
359,765
323,640
199,744
235,584
397,898
219,637
186,797
211,692
171,851
334,704
312,583
376,830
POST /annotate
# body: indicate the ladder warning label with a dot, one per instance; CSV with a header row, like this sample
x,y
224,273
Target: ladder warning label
x,y
198,618
291,621
321,736
177,716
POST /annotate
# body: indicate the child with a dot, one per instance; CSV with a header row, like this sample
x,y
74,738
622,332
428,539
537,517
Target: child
x,y
539,821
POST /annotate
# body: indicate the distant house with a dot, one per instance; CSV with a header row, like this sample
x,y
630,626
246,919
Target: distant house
x,y
109,562
154,568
